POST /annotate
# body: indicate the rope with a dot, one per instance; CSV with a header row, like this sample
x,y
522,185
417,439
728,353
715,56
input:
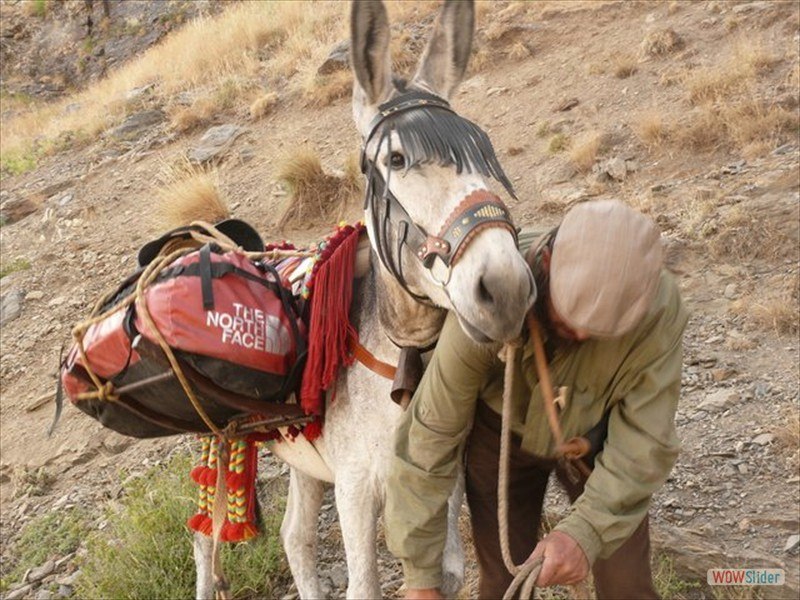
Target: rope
x,y
525,574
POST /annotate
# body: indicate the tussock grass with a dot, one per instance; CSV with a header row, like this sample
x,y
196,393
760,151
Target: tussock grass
x,y
661,42
649,128
668,583
747,60
583,152
186,118
188,194
748,234
623,65
49,536
315,195
774,308
146,549
263,105
558,143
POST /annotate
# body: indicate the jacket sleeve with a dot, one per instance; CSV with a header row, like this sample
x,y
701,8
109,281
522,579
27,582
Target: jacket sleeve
x,y
428,453
642,443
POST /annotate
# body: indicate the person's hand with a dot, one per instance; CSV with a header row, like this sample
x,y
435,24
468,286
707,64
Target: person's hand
x,y
564,562
424,594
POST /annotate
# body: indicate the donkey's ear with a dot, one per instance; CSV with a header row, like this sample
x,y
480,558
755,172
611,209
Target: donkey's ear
x,y
369,49
445,59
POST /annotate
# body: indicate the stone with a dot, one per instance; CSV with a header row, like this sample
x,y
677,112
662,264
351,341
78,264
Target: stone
x,y
65,591
43,594
721,374
616,169
763,439
338,59
136,124
566,105
138,93
20,593
66,199
42,571
338,575
791,543
34,295
11,306
16,209
742,468
215,142
718,400
744,524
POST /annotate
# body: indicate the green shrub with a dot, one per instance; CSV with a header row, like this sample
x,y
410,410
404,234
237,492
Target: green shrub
x,y
146,549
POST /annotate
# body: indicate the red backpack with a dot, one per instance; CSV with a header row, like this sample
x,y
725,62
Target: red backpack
x,y
219,322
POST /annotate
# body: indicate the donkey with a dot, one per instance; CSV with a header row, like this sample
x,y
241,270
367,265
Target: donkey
x,y
427,171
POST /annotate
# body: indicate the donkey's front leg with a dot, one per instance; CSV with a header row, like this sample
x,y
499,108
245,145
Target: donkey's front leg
x,y
299,531
203,546
358,507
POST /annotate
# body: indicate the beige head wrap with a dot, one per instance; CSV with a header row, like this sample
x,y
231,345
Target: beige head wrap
x,y
605,267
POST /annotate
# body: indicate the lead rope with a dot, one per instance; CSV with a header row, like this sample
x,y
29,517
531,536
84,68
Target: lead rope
x,y
525,574
570,452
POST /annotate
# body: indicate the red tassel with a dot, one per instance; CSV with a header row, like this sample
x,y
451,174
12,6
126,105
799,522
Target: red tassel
x,y
312,430
210,478
198,473
332,283
200,523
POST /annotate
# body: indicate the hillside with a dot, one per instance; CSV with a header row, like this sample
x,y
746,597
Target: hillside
x,y
688,111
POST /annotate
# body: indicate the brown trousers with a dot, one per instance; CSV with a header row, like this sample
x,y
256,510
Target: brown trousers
x,y
625,574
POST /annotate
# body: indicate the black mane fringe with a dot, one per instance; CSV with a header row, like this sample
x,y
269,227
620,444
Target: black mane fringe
x,y
435,135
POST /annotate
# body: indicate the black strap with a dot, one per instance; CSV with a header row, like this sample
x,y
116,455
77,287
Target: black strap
x,y
59,394
206,283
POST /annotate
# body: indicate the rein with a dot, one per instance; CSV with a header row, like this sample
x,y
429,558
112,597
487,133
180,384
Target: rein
x,y
479,210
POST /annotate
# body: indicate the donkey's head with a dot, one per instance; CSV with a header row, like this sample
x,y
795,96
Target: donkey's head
x,y
431,217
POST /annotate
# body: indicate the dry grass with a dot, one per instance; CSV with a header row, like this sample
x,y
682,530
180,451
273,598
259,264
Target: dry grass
x,y
623,65
661,42
187,195
315,196
649,128
263,105
583,152
788,433
229,54
751,126
186,118
747,60
747,233
558,143
773,308
519,51
323,90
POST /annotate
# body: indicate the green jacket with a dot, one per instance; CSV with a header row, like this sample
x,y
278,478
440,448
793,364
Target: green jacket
x,y
637,377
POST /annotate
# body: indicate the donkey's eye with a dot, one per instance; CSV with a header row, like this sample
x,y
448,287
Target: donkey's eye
x,y
397,161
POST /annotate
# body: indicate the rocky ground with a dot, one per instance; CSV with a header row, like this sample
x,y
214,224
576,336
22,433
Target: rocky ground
x,y
730,216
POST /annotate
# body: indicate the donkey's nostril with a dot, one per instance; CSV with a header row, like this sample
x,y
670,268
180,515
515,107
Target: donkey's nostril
x,y
484,295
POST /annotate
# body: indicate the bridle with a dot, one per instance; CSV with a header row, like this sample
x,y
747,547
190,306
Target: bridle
x,y
478,211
